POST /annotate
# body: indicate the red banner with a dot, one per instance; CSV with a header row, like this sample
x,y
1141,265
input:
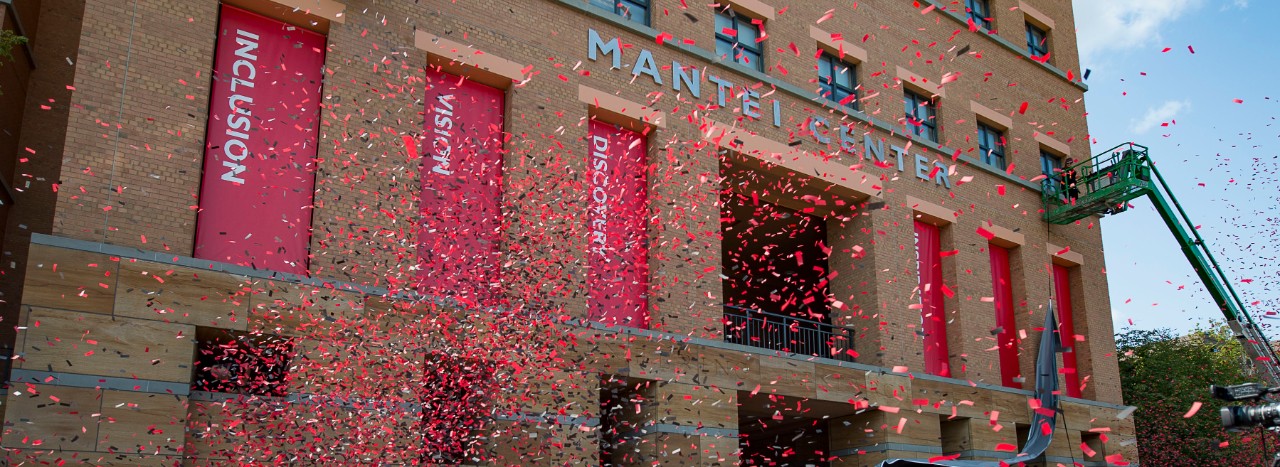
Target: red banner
x,y
933,316
1066,328
618,269
1005,319
259,161
458,241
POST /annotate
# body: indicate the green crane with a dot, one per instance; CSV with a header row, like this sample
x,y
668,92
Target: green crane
x,y
1106,183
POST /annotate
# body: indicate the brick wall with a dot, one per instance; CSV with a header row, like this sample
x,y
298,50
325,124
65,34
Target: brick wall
x,y
138,155
135,137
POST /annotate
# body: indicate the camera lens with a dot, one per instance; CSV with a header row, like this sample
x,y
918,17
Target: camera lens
x,y
1267,415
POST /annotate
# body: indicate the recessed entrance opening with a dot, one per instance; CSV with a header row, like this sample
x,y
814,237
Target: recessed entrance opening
x,y
781,431
1024,434
776,271
1094,442
621,424
955,434
775,257
455,394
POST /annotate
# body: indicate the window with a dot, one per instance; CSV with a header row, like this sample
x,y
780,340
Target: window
x,y
459,232
1006,319
634,10
1024,434
921,120
1051,167
838,80
618,250
1037,41
456,393
979,13
738,38
933,305
255,98
956,436
991,144
616,395
1094,442
240,363
1063,295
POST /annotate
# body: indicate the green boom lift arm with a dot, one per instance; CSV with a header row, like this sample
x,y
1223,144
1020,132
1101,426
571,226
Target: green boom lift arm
x,y
1106,183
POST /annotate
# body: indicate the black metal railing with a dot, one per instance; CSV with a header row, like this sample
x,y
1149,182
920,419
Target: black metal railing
x,y
786,333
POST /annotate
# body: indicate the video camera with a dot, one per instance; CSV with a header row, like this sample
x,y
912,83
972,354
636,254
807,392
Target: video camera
x,y
1240,417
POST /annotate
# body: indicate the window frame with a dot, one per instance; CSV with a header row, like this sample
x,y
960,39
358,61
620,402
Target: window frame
x,y
992,156
829,88
625,8
981,17
1053,175
453,396
1033,46
912,103
238,362
735,44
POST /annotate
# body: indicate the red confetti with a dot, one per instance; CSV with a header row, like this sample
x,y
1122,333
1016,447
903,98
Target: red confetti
x,y
1195,407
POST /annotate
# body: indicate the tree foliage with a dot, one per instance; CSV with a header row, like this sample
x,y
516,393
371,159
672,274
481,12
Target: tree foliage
x,y
9,40
1164,375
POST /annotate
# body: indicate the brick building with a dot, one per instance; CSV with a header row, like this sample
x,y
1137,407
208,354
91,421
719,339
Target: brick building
x,y
747,233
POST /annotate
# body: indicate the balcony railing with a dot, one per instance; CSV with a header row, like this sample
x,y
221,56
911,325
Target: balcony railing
x,y
1103,185
786,333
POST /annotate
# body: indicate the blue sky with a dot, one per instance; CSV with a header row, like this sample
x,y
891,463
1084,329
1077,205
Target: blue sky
x,y
1220,157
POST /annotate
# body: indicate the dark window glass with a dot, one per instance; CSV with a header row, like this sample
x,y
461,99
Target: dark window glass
x,y
738,39
979,12
1037,41
456,395
241,363
838,80
634,10
921,117
1051,167
991,144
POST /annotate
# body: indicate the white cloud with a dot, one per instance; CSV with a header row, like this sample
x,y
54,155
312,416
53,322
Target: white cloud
x,y
1157,115
1125,24
1238,4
